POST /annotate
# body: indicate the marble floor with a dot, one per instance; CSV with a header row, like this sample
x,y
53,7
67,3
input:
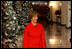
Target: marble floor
x,y
56,36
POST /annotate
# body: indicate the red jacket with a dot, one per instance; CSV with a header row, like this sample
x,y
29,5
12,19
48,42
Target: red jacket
x,y
34,36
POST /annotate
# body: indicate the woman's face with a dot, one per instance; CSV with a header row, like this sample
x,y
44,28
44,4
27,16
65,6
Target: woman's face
x,y
34,18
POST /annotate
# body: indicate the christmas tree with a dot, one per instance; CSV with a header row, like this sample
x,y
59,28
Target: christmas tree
x,y
13,15
22,12
9,21
11,24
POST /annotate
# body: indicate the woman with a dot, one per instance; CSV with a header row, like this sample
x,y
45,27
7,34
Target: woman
x,y
34,36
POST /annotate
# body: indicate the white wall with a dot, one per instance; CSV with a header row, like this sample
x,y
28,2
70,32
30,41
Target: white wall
x,y
54,8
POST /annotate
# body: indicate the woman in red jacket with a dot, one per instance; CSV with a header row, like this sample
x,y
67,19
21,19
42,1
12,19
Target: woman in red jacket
x,y
34,36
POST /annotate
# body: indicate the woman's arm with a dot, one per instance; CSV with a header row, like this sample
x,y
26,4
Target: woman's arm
x,y
43,38
25,38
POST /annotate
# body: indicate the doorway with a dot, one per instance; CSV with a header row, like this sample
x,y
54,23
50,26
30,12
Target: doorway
x,y
42,7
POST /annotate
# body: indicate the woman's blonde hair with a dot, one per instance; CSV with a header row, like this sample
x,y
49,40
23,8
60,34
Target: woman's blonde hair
x,y
32,13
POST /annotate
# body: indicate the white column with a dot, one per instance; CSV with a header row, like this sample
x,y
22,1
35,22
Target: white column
x,y
63,12
68,23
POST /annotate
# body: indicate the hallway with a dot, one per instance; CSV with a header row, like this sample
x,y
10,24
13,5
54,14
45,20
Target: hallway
x,y
55,37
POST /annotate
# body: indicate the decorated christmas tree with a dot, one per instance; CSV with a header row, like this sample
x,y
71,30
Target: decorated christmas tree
x,y
12,16
22,12
11,24
9,21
